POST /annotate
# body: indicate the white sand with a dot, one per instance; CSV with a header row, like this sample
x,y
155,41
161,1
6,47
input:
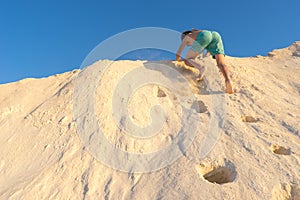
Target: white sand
x,y
257,155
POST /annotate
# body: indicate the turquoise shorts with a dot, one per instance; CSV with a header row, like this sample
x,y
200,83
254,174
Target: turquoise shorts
x,y
209,40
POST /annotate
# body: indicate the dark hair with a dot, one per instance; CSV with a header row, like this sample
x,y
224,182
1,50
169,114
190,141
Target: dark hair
x,y
183,34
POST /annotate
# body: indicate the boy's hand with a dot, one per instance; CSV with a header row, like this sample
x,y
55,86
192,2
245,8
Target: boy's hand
x,y
177,57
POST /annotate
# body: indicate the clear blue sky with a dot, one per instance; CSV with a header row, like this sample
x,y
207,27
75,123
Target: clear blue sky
x,y
42,38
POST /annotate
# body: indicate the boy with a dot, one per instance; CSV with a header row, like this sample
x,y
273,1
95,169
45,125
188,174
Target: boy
x,y
212,42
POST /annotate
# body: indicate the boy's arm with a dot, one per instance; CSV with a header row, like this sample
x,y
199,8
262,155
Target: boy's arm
x,y
180,49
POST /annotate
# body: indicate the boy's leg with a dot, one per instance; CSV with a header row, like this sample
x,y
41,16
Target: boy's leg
x,y
190,61
220,58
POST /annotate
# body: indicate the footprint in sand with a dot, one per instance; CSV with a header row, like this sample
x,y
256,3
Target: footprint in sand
x,y
280,150
199,106
219,174
159,92
250,119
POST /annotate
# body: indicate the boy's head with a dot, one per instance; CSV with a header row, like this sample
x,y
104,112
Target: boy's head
x,y
183,34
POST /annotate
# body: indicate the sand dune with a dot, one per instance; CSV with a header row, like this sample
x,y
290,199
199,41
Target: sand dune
x,y
256,154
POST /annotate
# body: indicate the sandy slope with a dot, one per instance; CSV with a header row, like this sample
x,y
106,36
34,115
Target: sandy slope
x,y
42,156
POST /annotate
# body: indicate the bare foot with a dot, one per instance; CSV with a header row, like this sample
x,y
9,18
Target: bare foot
x,y
200,77
201,73
228,86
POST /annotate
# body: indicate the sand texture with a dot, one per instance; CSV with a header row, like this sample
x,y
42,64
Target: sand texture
x,y
256,154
